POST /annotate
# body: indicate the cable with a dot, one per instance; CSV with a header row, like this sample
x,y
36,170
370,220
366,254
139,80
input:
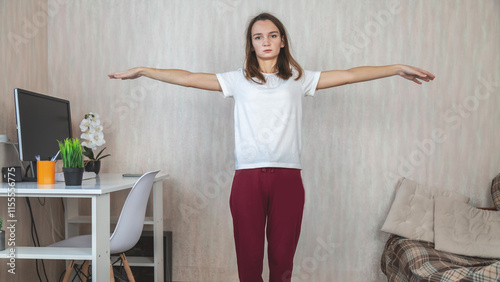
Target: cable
x,y
36,241
26,170
120,275
40,202
64,208
61,276
79,272
55,227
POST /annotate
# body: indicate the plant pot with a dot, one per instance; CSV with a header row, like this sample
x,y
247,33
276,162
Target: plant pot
x,y
2,240
93,166
73,176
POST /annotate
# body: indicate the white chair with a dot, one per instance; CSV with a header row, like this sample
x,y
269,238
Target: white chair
x,y
127,231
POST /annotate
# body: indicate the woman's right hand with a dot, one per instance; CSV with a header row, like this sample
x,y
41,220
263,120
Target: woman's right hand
x,y
128,74
207,81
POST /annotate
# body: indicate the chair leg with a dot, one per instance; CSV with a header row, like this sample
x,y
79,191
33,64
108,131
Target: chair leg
x,y
111,273
85,268
69,270
130,276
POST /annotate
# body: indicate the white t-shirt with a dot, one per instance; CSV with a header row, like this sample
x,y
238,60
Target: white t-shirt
x,y
268,117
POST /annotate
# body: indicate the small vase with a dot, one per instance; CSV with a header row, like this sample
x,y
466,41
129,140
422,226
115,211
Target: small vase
x,y
2,240
93,166
73,176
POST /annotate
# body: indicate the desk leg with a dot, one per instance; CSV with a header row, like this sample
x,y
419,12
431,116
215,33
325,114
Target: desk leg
x,y
100,238
158,229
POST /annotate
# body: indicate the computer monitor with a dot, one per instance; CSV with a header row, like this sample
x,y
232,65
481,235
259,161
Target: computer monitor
x,y
41,121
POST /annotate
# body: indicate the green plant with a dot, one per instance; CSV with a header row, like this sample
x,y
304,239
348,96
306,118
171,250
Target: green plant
x,y
71,153
0,223
90,154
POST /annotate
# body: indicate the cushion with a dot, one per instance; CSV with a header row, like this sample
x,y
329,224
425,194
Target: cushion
x,y
412,212
462,229
495,191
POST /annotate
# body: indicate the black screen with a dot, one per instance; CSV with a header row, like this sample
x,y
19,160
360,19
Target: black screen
x,y
41,121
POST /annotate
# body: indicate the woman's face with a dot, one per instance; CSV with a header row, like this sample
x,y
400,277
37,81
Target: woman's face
x,y
266,40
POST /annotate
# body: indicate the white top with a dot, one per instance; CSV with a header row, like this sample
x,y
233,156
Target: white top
x,y
268,117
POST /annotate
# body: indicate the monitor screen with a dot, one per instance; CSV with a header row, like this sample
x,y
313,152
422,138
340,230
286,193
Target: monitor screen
x,y
41,121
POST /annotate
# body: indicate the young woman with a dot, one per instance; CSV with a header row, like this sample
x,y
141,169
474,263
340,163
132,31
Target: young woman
x,y
267,196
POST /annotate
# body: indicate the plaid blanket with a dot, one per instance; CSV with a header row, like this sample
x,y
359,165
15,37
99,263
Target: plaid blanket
x,y
406,260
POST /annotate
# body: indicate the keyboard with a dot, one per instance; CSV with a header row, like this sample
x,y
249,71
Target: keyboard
x,y
86,175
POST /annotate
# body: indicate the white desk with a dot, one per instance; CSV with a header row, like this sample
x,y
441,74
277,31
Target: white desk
x,y
98,190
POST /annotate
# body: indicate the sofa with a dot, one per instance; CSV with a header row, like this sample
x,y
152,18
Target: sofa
x,y
437,236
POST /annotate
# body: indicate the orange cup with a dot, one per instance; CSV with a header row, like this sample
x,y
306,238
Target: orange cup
x,y
45,172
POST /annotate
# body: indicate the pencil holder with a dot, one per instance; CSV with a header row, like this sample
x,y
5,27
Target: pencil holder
x,y
45,172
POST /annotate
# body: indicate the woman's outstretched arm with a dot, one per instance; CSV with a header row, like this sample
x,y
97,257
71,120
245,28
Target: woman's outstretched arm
x,y
207,81
340,77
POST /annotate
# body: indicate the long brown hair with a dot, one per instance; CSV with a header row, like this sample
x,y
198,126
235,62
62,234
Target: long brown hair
x,y
285,61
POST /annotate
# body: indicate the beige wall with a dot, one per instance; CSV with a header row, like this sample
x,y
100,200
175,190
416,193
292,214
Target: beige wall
x,y
358,139
24,64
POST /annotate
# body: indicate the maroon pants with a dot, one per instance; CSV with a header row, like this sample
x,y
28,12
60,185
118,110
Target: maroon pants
x,y
275,195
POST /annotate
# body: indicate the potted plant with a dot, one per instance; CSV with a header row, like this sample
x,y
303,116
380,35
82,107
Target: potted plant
x,y
2,237
71,154
93,136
